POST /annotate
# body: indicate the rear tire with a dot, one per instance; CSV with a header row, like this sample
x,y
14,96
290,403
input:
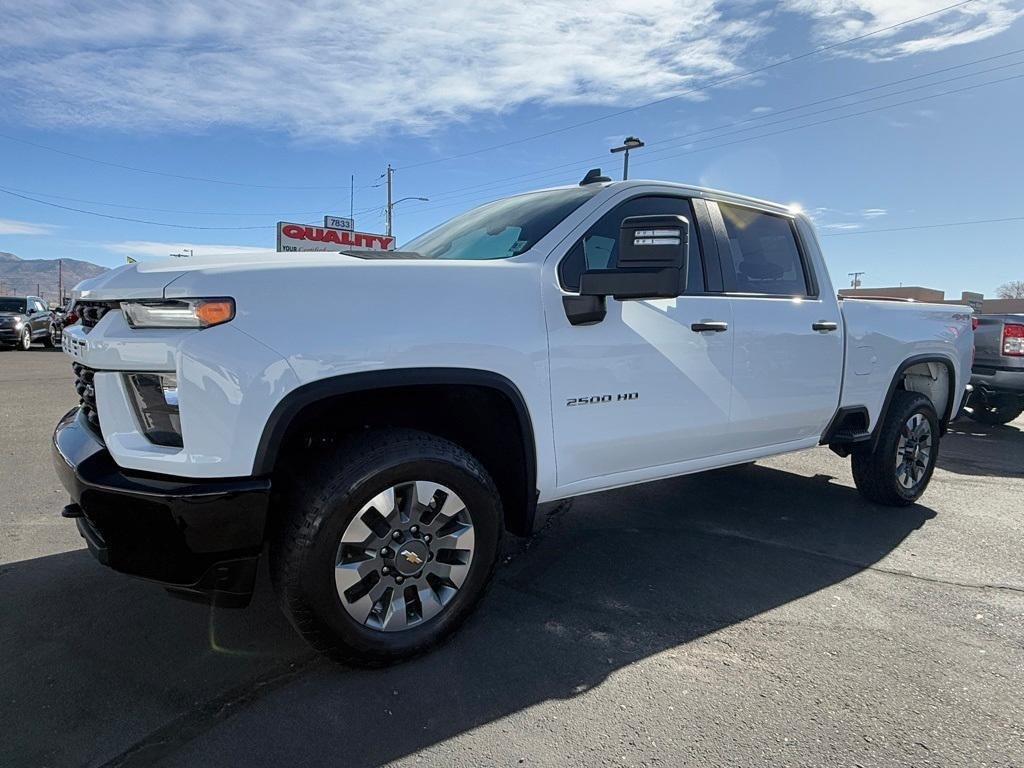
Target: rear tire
x,y
994,415
52,337
336,584
897,471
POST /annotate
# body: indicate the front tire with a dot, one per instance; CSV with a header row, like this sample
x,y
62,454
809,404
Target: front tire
x,y
897,471
389,543
25,342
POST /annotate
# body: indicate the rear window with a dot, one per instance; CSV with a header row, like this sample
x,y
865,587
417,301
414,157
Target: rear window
x,y
763,253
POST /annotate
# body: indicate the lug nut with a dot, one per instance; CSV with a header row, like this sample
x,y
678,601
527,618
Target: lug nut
x,y
396,534
385,551
426,537
385,570
399,579
415,529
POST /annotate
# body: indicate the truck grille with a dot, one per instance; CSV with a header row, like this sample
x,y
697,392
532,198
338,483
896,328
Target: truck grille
x,y
87,395
92,312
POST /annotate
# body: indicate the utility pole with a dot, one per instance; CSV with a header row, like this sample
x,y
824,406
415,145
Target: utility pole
x,y
630,142
390,214
60,281
855,279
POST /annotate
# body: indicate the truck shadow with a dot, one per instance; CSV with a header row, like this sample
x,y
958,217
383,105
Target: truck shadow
x,y
124,674
970,448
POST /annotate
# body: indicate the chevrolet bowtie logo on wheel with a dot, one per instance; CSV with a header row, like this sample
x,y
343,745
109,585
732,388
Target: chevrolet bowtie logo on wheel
x,y
412,557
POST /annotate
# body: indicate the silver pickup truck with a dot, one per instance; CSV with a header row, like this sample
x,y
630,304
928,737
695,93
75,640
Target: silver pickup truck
x,y
997,376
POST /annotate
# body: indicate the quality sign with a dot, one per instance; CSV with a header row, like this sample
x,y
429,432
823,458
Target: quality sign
x,y
305,237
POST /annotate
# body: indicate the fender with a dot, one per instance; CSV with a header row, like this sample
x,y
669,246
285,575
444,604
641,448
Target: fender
x,y
307,394
944,418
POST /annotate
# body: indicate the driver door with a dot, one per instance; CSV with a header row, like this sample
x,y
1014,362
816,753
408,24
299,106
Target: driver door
x,y
642,391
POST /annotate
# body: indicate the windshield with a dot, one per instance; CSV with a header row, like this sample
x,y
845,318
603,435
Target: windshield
x,y
503,228
12,305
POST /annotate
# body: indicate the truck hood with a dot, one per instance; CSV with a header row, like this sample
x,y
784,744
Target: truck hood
x,y
195,276
149,279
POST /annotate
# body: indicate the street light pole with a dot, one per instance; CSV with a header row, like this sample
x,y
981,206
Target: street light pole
x,y
630,142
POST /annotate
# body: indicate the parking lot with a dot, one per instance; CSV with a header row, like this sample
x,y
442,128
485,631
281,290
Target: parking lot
x,y
752,616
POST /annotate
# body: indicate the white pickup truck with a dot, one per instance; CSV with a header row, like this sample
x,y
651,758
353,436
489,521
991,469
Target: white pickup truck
x,y
378,419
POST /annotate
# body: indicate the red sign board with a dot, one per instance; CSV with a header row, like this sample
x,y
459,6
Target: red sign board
x,y
306,237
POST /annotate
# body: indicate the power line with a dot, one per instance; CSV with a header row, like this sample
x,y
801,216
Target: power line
x,y
452,201
158,210
122,218
687,139
690,91
838,118
153,172
923,226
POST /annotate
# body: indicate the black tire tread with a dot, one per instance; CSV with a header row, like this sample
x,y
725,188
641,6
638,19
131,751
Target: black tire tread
x,y
313,489
873,472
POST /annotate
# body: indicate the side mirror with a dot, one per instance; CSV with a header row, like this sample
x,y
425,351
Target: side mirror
x,y
652,264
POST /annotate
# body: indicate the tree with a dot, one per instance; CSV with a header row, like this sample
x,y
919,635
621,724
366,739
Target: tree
x,y
1011,290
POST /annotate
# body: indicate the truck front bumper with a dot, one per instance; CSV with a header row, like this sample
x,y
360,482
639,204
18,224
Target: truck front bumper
x,y
199,538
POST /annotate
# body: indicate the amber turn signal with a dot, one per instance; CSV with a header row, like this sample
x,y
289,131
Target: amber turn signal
x,y
215,311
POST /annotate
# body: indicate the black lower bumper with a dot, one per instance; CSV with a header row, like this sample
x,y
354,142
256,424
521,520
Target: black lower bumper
x,y
199,538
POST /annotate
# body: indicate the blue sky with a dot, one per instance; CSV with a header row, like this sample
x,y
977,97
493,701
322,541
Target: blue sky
x,y
287,99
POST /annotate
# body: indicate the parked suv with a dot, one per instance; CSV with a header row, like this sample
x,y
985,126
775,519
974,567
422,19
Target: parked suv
x,y
539,347
23,320
997,377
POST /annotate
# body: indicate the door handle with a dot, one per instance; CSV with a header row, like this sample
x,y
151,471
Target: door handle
x,y
717,326
825,326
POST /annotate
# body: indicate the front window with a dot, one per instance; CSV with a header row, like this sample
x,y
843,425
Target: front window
x,y
503,228
12,305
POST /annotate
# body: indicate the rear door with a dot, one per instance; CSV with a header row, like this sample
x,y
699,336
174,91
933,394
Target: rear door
x,y
40,318
788,334
640,390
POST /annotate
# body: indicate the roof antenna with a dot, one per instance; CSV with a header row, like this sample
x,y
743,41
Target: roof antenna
x,y
594,177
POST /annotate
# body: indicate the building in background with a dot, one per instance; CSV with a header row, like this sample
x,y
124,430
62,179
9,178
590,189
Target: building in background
x,y
976,301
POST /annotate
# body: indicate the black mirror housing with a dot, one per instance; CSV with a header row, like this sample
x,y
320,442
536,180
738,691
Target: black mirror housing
x,y
652,261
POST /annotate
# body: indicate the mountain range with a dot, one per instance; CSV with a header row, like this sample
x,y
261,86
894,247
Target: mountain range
x,y
39,277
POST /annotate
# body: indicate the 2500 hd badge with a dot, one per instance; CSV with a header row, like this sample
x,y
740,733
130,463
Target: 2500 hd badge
x,y
598,399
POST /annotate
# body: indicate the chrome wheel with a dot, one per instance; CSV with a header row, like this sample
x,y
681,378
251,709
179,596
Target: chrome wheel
x,y
404,556
26,339
913,451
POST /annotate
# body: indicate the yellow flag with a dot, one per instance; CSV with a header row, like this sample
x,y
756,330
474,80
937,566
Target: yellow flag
x,y
131,260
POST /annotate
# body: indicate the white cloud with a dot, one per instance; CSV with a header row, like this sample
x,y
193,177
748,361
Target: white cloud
x,y
13,227
147,248
842,19
873,213
339,71
842,227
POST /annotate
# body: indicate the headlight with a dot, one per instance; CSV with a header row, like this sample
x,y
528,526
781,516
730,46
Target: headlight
x,y
156,405
178,313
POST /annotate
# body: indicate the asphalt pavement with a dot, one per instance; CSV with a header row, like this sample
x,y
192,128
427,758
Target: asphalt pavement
x,y
762,615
